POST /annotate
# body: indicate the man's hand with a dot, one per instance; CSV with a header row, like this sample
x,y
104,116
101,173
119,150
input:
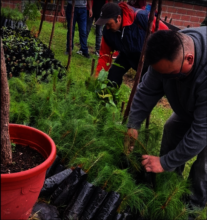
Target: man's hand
x,y
152,164
90,13
132,135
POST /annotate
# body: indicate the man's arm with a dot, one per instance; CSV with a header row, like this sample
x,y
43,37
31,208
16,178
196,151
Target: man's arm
x,y
148,93
89,4
195,139
105,57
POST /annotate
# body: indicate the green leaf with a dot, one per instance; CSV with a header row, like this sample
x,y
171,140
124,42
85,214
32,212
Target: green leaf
x,y
117,64
112,103
102,75
103,86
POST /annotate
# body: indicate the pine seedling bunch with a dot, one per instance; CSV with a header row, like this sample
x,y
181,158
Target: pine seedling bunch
x,y
135,197
90,135
92,163
167,202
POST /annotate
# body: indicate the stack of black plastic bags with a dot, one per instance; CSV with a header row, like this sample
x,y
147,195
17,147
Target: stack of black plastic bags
x,y
73,198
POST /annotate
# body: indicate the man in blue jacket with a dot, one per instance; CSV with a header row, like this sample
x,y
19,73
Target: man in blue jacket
x,y
178,69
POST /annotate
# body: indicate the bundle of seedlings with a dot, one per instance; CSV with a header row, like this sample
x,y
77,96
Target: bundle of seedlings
x,y
168,198
12,18
122,193
79,201
24,53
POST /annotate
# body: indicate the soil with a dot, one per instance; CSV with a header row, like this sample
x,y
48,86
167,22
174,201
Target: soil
x,y
128,79
23,158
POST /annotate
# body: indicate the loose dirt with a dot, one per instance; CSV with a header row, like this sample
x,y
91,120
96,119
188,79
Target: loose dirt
x,y
23,158
128,79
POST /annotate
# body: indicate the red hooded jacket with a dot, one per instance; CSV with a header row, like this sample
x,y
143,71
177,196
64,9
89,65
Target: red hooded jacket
x,y
106,52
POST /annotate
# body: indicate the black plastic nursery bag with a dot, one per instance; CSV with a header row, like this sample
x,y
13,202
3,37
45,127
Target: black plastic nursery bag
x,y
75,211
51,169
52,182
94,203
109,207
63,194
59,168
45,211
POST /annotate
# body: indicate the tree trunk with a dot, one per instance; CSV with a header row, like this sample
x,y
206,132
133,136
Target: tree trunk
x,y
6,151
71,34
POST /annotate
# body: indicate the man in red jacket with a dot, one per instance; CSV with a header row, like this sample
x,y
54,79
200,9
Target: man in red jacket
x,y
124,31
96,9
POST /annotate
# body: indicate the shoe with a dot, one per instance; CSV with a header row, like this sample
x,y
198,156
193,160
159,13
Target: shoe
x,y
80,52
97,53
86,55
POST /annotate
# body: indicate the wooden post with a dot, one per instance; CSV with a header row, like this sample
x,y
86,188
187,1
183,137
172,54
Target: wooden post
x,y
6,151
122,107
43,17
71,34
92,66
158,14
141,60
53,26
156,28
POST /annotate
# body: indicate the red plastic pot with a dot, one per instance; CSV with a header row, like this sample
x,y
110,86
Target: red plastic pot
x,y
20,191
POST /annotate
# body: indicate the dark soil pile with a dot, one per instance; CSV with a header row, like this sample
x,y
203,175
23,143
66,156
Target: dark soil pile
x,y
24,158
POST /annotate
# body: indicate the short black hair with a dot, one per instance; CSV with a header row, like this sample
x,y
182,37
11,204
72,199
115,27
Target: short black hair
x,y
163,44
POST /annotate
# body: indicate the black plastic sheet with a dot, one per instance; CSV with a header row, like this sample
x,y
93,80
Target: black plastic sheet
x,y
109,207
53,182
51,169
118,216
45,211
63,194
75,211
94,203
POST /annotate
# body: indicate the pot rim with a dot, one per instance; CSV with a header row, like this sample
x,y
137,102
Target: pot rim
x,y
35,170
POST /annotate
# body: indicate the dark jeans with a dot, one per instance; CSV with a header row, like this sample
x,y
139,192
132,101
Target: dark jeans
x,y
174,130
99,29
80,16
124,64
